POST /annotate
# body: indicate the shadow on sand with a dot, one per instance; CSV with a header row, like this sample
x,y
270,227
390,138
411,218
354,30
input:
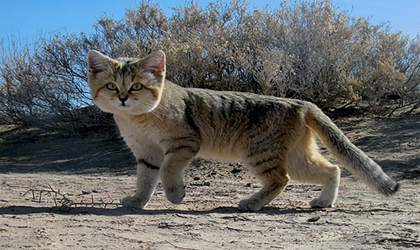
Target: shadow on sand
x,y
119,211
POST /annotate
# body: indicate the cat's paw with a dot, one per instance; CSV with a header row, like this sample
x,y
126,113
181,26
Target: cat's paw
x,y
133,202
175,194
318,203
250,205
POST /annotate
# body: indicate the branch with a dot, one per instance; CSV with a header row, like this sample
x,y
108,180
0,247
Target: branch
x,y
64,203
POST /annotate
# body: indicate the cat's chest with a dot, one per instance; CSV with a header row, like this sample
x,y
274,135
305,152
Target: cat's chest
x,y
135,133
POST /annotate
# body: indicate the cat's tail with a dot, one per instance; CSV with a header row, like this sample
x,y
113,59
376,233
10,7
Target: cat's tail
x,y
353,159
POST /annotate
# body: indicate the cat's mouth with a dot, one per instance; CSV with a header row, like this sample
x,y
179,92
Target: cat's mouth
x,y
122,105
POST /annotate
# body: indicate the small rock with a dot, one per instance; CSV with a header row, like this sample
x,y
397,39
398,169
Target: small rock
x,y
313,219
211,174
236,170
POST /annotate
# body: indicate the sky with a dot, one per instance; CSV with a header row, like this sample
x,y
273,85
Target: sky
x,y
24,20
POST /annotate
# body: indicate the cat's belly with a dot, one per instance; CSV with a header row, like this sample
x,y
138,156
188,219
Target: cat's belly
x,y
218,155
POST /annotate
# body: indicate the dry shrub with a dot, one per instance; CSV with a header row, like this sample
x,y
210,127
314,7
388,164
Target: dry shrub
x,y
304,49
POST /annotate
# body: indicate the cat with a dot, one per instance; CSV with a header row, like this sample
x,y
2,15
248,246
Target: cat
x,y
166,126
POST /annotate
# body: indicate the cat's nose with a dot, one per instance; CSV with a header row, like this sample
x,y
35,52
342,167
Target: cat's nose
x,y
123,99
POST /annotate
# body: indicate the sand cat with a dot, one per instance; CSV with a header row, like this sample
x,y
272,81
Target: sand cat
x,y
166,126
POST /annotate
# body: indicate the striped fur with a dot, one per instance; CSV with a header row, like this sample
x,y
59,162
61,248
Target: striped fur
x,y
166,126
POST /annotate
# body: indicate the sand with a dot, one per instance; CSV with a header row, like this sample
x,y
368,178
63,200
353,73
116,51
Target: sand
x,y
38,170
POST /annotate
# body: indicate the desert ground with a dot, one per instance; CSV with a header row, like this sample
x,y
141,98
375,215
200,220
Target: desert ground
x,y
63,192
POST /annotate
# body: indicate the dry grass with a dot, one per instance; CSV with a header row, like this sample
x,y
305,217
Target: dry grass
x,y
64,203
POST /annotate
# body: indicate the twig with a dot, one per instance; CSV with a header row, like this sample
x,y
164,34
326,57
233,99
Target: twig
x,y
61,200
408,242
175,246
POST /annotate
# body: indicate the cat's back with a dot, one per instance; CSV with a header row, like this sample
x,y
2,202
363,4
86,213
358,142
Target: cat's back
x,y
250,105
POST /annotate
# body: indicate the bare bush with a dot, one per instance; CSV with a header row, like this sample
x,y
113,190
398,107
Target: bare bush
x,y
306,50
28,91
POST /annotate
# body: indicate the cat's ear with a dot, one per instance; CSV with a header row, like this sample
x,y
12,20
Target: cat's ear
x,y
155,63
97,62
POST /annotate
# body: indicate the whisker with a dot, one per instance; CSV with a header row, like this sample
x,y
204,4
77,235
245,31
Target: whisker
x,y
158,114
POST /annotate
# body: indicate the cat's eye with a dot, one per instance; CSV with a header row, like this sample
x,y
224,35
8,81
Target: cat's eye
x,y
136,87
112,87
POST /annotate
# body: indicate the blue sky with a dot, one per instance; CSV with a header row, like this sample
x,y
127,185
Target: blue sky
x,y
25,19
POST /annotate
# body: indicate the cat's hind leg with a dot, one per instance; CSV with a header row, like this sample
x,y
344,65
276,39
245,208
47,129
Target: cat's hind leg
x,y
320,171
329,175
306,164
147,178
274,179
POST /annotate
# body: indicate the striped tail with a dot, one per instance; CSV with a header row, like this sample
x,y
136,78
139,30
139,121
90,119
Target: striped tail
x,y
352,158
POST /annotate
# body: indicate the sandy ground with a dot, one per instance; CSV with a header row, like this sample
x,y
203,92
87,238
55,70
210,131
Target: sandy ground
x,y
93,173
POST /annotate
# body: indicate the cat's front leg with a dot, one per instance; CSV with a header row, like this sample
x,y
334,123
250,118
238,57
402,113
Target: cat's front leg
x,y
171,173
147,178
172,181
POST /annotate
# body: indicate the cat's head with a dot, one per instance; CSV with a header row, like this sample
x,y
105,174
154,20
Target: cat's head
x,y
126,85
